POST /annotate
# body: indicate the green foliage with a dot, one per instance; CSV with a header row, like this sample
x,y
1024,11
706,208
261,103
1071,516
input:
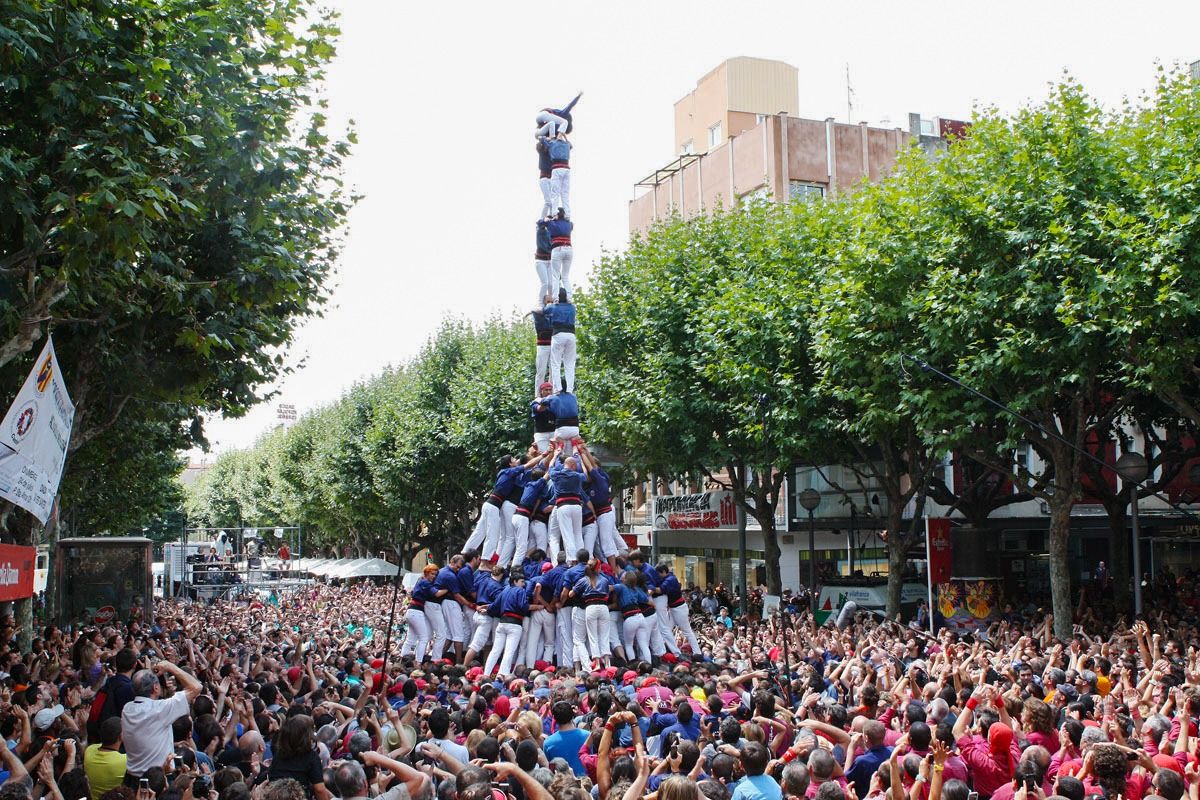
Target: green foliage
x,y
170,201
402,460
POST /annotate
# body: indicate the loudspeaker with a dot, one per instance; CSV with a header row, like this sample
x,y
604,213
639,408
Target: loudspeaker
x,y
845,617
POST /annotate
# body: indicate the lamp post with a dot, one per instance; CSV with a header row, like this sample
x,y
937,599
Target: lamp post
x,y
809,499
1132,468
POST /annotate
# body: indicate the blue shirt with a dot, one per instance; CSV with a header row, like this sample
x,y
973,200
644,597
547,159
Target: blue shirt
x,y
560,232
630,598
561,317
424,590
542,240
488,591
568,580
600,489
669,585
447,579
513,600
865,766
559,150
507,479
757,787
584,589
564,406
466,581
565,745
567,483
531,494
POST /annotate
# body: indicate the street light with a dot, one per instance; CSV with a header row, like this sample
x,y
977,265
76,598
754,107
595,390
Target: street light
x,y
809,499
1132,468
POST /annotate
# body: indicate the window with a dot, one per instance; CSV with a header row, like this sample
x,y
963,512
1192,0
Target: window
x,y
714,135
799,190
761,193
688,148
927,128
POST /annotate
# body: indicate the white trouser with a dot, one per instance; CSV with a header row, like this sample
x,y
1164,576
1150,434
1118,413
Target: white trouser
x,y
567,434
560,269
520,524
544,281
590,531
637,638
570,526
560,190
596,617
437,625
663,619
508,540
456,628
489,517
679,616
610,541
417,638
614,630
540,646
562,361
563,642
525,625
549,124
547,193
507,642
579,636
657,646
554,541
541,370
483,631
537,530
542,438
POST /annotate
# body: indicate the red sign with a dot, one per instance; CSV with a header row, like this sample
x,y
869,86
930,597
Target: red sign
x,y
105,615
941,550
16,571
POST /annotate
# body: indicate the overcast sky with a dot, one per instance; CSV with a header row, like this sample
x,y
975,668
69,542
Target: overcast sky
x,y
443,96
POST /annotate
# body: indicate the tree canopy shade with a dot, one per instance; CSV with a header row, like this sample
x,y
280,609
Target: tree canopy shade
x,y
170,204
403,460
697,348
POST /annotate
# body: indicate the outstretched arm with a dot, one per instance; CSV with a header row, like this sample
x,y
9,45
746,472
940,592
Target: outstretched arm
x,y
567,108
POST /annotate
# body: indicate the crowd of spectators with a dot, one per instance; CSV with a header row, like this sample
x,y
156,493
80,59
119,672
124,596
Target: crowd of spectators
x,y
293,698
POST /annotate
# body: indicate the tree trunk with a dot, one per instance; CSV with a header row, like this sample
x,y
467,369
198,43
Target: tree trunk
x,y
771,553
897,549
1118,553
1060,572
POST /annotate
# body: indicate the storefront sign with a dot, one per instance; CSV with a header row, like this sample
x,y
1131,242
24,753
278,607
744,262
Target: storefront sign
x,y
17,565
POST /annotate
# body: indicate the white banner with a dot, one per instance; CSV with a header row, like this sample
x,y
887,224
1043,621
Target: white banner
x,y
34,438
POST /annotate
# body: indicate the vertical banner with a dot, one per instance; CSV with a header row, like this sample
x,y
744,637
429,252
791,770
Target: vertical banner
x,y
34,437
16,572
938,556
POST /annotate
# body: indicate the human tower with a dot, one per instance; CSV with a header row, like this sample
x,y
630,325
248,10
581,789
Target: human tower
x,y
544,577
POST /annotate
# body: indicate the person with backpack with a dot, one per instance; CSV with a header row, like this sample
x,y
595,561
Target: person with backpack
x,y
114,694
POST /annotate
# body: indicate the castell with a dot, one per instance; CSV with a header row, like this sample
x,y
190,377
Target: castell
x,y
544,577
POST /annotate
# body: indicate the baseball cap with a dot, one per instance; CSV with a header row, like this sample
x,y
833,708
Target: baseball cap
x,y
629,677
45,718
1068,691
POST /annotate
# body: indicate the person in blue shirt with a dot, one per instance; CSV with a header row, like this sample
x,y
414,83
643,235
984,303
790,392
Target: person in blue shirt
x,y
488,585
423,591
565,408
630,597
684,727
677,608
593,590
494,528
452,603
539,646
567,740
877,753
541,261
561,253
571,604
560,174
513,605
637,561
568,502
531,494
539,409
544,170
599,489
757,785
549,121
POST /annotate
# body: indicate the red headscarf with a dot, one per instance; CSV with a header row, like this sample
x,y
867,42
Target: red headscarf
x,y
1000,738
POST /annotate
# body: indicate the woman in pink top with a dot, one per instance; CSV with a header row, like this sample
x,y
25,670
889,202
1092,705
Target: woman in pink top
x,y
1037,721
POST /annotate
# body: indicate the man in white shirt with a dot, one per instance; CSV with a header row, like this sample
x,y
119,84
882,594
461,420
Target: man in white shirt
x,y
146,720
